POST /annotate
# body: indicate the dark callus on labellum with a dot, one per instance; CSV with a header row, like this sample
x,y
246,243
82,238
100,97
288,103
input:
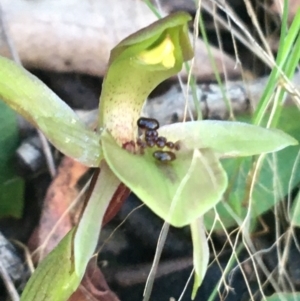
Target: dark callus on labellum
x,y
161,142
150,126
164,156
147,123
150,134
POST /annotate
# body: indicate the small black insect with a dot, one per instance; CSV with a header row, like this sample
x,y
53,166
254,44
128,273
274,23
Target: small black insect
x,y
161,142
147,123
164,156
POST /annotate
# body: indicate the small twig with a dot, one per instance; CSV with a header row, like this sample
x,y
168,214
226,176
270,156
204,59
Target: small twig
x,y
48,154
27,255
127,277
9,284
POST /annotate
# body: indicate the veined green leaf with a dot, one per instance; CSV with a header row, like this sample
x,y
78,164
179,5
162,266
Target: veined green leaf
x,y
55,278
179,191
28,96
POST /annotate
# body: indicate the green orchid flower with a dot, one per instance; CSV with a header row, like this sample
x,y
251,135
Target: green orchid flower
x,y
180,179
136,66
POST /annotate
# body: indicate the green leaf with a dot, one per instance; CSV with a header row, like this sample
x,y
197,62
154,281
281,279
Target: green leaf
x,y
179,191
11,185
28,96
134,72
12,197
55,278
200,253
226,138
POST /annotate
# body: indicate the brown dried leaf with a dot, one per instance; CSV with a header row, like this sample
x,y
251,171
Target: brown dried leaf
x,y
60,195
93,286
116,203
